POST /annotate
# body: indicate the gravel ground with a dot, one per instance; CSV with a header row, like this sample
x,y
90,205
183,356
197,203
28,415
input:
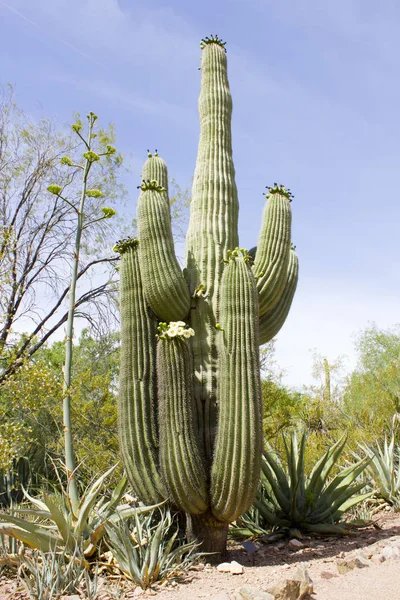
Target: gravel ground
x,y
272,563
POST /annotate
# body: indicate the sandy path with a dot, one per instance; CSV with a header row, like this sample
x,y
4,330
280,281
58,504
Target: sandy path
x,y
379,582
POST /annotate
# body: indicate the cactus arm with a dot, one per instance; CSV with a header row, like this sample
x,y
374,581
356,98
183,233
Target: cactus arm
x,y
155,169
272,321
137,396
165,288
182,466
213,226
238,446
213,229
272,255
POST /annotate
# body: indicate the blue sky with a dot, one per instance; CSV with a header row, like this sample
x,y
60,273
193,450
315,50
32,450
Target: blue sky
x,y
316,99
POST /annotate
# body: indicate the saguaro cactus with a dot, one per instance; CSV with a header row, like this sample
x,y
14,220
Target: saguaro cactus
x,y
190,403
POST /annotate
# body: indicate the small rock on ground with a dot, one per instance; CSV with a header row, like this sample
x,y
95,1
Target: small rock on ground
x,y
295,544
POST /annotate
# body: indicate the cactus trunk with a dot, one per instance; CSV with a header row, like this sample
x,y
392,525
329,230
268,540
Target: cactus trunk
x,y
213,230
190,415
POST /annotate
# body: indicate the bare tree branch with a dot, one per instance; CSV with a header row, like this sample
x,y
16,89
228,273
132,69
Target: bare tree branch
x,y
37,231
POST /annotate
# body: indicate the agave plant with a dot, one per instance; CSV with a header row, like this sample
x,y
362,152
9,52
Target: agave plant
x,y
289,499
69,528
385,471
47,576
149,550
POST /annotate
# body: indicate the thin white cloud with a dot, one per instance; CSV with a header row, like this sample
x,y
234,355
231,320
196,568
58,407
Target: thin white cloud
x,y
49,34
113,35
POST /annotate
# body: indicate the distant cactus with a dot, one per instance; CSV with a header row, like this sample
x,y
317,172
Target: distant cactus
x,y
12,481
327,382
190,415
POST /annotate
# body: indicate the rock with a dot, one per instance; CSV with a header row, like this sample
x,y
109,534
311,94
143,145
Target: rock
x,y
348,564
302,575
224,568
199,567
295,544
291,589
344,566
250,547
378,558
236,568
248,592
280,545
73,597
233,567
360,562
390,552
328,574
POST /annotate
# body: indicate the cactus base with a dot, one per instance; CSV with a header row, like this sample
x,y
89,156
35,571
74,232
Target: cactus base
x,y
208,531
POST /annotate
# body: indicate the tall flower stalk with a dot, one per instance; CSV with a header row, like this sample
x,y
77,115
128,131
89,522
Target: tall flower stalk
x,y
89,158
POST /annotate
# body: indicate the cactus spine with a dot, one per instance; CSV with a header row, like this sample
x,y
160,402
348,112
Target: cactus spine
x,y
190,401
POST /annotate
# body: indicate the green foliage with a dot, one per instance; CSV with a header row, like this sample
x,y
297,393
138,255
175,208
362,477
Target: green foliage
x,y
149,550
291,499
371,403
372,396
385,471
30,407
282,408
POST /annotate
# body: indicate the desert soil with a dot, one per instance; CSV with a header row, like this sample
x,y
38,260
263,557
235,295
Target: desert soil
x,y
276,562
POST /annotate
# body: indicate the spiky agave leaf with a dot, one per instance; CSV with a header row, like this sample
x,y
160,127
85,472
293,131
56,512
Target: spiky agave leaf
x,y
147,553
384,469
290,499
68,530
